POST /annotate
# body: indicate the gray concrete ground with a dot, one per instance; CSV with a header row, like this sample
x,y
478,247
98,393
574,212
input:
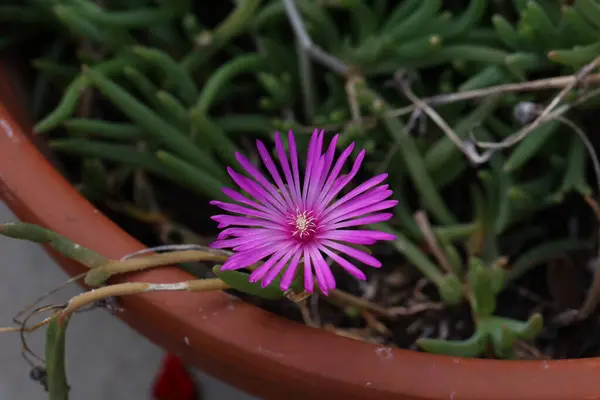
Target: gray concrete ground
x,y
105,358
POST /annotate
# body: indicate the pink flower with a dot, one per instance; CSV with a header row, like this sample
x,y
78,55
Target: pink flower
x,y
299,222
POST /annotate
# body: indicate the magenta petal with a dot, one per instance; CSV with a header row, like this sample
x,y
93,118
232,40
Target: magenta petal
x,y
358,204
283,161
241,232
225,233
358,190
355,167
290,272
247,258
329,158
272,274
376,191
261,242
320,273
308,276
354,236
371,219
294,162
232,262
254,189
226,220
260,178
339,164
233,195
237,209
372,197
272,168
311,159
259,272
354,253
321,264
315,173
223,244
314,185
326,162
349,267
351,239
384,205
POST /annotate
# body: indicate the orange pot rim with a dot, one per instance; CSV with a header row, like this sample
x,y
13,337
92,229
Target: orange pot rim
x,y
248,347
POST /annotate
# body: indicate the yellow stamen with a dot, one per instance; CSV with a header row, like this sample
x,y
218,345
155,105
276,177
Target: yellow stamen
x,y
303,223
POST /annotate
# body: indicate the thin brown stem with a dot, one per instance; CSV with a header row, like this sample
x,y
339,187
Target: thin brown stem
x,y
539,84
434,101
593,205
159,260
350,87
467,148
376,325
130,288
545,114
593,296
26,350
588,146
26,329
41,298
343,298
306,43
204,285
123,289
306,314
422,222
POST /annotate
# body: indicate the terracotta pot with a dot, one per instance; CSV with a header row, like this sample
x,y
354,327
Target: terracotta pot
x,y
243,345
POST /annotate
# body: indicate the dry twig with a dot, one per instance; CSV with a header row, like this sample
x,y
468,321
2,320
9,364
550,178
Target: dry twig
x,y
307,44
347,299
545,114
422,221
466,147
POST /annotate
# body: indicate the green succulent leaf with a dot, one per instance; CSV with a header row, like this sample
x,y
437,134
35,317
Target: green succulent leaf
x,y
451,290
484,298
58,388
66,247
471,347
239,280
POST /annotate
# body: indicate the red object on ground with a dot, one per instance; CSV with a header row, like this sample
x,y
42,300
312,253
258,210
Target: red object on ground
x,y
173,381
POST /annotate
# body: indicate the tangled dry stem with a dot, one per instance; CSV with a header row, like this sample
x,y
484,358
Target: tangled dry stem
x,y
139,261
554,110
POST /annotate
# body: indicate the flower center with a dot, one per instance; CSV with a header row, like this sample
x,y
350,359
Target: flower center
x,y
302,224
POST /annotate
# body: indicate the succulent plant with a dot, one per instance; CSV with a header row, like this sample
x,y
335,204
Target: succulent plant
x,y
181,93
